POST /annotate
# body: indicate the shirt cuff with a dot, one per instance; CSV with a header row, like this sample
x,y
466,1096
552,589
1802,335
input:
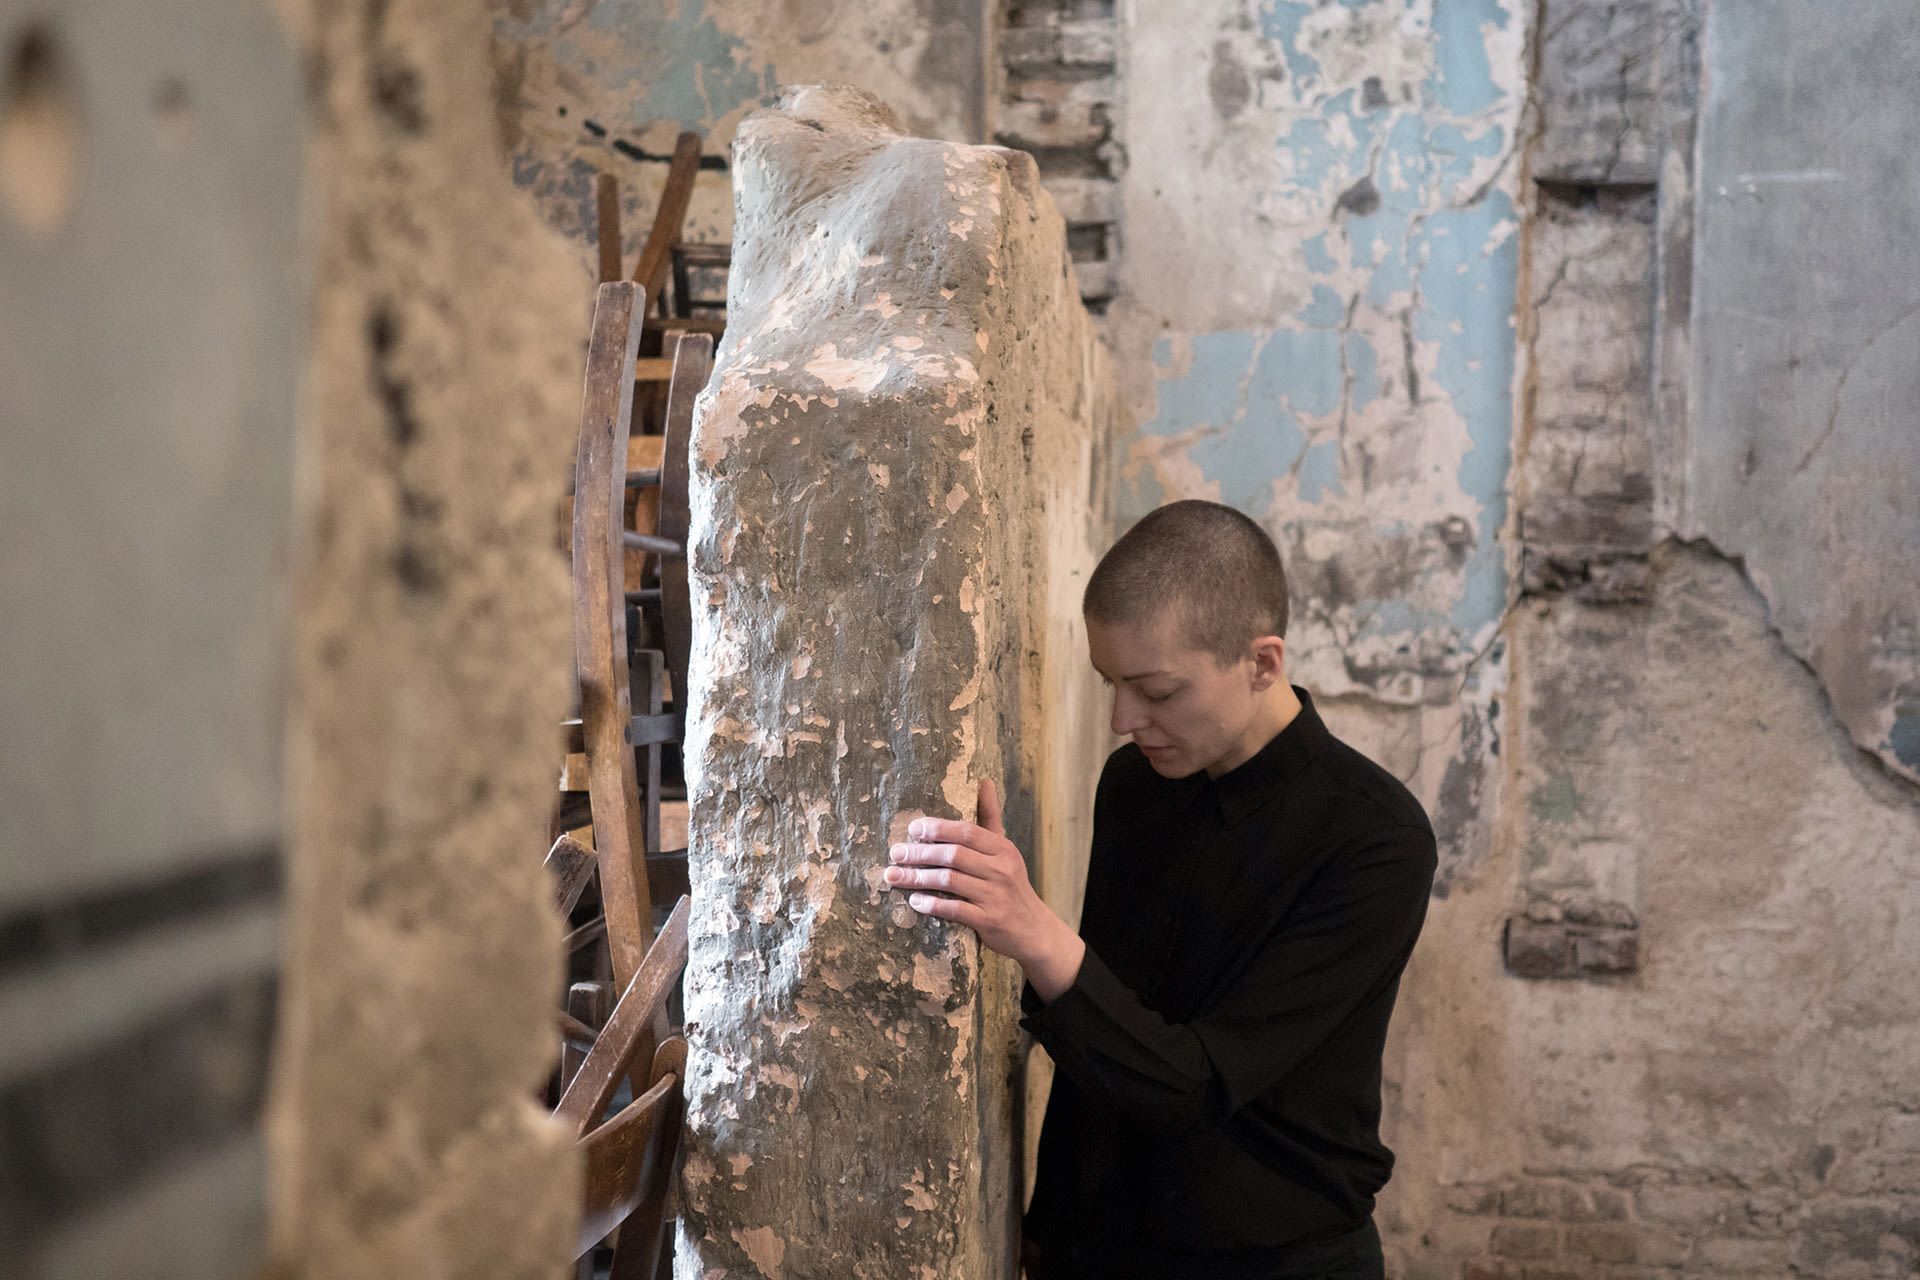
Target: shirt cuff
x,y
1081,1011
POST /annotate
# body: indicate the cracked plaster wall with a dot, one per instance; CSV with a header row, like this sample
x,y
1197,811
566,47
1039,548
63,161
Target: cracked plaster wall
x,y
1803,456
894,480
1502,526
1324,339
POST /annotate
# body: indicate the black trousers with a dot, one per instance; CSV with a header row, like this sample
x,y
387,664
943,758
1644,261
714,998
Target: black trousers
x,y
1354,1255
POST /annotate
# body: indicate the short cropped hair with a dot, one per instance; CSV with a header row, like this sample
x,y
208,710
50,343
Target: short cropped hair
x,y
1215,565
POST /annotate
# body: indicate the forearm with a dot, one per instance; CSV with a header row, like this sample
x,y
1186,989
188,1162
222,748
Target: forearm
x,y
1115,1048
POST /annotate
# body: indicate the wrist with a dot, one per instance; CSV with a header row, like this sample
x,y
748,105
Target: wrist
x,y
1055,964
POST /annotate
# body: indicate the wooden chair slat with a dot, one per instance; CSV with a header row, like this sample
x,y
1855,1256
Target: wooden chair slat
x,y
692,366
644,1251
607,195
616,1162
572,865
651,271
712,325
588,1004
629,1029
600,625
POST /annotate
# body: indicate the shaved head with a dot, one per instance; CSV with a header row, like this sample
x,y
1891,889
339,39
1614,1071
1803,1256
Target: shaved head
x,y
1216,567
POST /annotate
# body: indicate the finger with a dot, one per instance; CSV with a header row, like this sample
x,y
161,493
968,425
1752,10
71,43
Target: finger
x,y
947,831
945,879
955,909
987,812
970,861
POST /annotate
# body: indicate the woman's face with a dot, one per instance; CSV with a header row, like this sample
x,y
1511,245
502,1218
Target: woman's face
x,y
1182,706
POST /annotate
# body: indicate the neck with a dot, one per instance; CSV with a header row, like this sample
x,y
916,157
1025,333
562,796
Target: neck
x,y
1274,711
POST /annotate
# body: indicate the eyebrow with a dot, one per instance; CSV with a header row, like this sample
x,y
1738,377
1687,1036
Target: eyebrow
x,y
1144,675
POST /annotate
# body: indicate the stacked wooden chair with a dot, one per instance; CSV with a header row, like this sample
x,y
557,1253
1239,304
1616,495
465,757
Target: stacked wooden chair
x,y
646,362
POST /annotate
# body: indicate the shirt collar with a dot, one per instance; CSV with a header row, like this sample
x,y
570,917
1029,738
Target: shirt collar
x,y
1245,788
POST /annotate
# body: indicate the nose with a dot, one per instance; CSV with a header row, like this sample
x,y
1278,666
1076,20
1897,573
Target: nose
x,y
1129,717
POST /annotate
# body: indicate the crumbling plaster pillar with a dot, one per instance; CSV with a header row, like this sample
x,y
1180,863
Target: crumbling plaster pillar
x,y
432,625
893,480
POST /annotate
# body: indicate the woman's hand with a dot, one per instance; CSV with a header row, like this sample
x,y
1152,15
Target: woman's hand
x,y
990,892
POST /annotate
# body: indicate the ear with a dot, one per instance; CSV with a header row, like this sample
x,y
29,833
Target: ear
x,y
1269,662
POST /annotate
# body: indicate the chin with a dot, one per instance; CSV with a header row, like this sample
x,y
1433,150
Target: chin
x,y
1169,763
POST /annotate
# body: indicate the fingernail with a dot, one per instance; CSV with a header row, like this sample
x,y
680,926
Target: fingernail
x,y
895,875
898,852
916,829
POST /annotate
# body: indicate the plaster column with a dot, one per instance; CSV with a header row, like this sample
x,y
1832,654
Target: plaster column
x,y
431,658
893,499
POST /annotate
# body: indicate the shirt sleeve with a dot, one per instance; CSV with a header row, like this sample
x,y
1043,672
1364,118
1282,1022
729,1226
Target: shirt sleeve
x,y
1340,946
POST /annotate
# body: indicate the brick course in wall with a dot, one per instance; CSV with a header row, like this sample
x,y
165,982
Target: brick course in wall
x,y
1058,97
1643,1224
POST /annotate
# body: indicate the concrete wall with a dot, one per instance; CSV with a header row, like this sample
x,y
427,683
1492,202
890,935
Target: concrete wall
x,y
893,470
149,286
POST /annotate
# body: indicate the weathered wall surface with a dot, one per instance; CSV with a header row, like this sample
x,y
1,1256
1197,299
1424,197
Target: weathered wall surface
x,y
431,656
1690,830
1417,285
1804,452
892,472
1742,1105
1315,319
149,190
605,85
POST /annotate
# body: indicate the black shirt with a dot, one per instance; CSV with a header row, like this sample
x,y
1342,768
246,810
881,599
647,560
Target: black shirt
x,y
1217,1097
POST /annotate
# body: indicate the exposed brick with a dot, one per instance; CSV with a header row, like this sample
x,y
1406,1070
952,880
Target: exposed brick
x,y
1688,1206
1028,47
1592,1204
1531,1200
1085,199
1587,909
1526,1240
1089,43
1096,279
1607,951
1661,1247
1490,1271
1038,124
1596,89
1536,950
1473,1197
1592,524
1900,1132
1601,1243
1742,1253
1830,1239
